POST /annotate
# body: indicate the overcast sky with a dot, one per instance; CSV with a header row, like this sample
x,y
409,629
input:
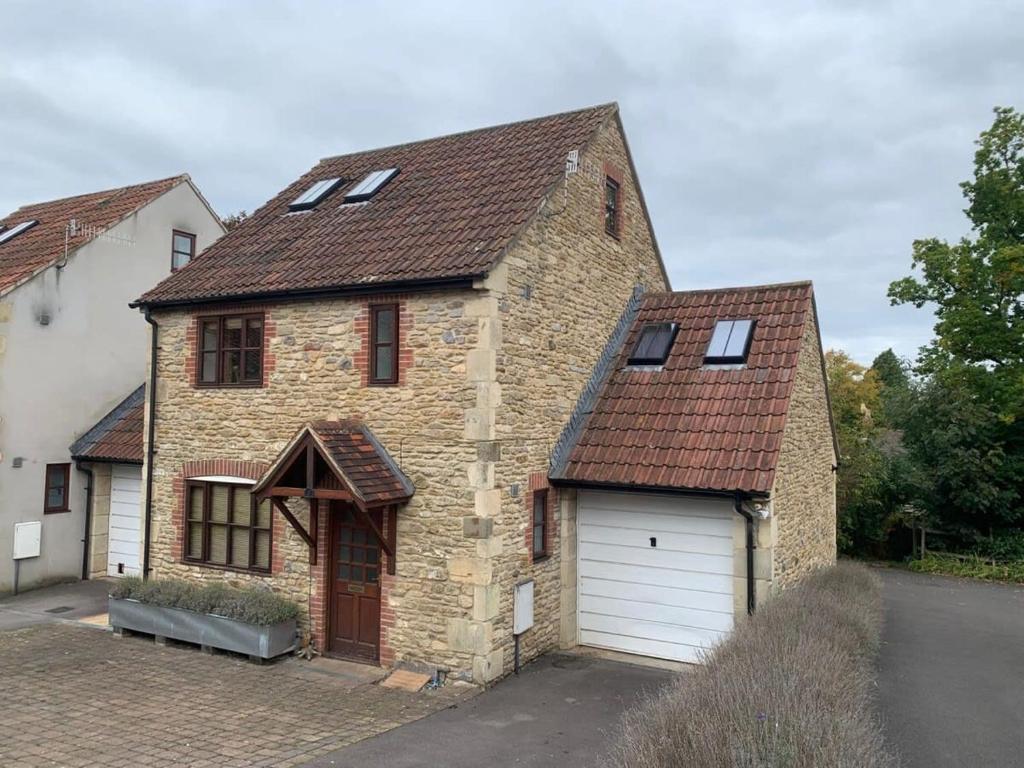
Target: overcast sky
x,y
774,141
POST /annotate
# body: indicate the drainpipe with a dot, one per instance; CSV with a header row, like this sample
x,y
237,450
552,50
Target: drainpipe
x,y
749,518
150,452
88,517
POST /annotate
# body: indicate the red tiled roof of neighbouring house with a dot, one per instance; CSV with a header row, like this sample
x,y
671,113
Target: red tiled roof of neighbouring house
x,y
355,456
457,202
35,249
688,425
117,437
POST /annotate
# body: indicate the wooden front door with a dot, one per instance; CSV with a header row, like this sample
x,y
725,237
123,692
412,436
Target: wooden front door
x,y
355,586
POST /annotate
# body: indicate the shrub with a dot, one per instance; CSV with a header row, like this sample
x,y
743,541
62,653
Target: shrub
x,y
790,688
253,605
972,567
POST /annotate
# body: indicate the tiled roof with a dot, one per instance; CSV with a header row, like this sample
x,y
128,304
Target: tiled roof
x,y
117,437
691,426
455,205
24,255
355,456
368,469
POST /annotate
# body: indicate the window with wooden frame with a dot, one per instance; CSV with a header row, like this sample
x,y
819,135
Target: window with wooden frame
x,y
540,525
58,480
383,345
611,206
224,526
183,248
230,351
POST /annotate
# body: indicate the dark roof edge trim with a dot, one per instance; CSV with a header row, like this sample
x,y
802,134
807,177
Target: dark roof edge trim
x,y
99,430
658,489
107,460
588,396
305,294
824,376
385,455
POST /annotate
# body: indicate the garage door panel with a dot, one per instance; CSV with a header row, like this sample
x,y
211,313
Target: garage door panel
x,y
713,619
656,557
674,597
666,541
630,574
125,524
670,600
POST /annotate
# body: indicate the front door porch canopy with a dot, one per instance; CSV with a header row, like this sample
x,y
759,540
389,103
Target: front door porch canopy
x,y
340,461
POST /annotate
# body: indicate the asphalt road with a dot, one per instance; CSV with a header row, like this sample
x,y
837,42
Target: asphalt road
x,y
560,711
952,671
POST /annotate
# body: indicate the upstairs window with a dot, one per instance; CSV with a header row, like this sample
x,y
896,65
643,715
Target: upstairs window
x,y
58,478
730,342
540,525
384,344
611,206
371,184
230,351
226,527
653,346
183,248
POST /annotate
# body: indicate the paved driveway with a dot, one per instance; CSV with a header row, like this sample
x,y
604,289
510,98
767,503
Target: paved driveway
x,y
560,711
952,671
57,603
75,695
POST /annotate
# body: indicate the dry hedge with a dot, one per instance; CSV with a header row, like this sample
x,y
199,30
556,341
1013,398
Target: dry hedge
x,y
791,688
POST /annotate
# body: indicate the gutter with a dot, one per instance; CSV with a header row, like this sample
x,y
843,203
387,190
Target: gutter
x,y
300,294
751,546
151,434
88,517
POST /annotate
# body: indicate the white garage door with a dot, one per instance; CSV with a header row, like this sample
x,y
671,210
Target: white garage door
x,y
655,573
125,539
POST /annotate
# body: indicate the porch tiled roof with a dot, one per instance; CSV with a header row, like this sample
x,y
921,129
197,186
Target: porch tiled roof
x,y
24,255
117,437
688,425
457,202
367,467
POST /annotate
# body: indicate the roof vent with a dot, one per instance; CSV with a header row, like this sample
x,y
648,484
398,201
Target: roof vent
x,y
730,343
312,196
370,185
13,232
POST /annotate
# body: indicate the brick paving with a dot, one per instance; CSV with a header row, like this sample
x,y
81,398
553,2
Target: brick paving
x,y
77,696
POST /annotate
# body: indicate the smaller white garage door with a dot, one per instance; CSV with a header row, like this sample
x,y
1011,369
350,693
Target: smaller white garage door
x,y
655,573
124,543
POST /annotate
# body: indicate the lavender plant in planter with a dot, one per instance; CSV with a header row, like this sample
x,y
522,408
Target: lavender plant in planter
x,y
252,621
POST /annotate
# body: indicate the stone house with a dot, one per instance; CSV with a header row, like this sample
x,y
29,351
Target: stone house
x,y
70,349
357,393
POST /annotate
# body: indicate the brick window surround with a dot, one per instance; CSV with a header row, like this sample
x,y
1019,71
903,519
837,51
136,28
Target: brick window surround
x,y
192,343
538,483
363,326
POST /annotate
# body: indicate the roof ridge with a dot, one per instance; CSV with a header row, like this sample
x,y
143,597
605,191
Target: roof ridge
x,y
608,106
764,286
179,178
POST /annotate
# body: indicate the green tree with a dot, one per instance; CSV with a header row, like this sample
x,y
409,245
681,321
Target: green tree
x,y
965,423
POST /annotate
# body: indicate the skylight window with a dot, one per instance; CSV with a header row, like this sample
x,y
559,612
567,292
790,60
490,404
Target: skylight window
x,y
730,342
370,186
312,196
654,344
7,234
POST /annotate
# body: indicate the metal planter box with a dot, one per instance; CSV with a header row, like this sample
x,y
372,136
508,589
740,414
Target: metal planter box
x,y
204,629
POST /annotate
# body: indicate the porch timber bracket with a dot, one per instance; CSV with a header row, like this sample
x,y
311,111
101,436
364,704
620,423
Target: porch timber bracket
x,y
307,536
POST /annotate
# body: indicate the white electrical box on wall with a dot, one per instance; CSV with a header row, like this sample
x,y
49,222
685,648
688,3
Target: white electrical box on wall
x,y
27,538
522,607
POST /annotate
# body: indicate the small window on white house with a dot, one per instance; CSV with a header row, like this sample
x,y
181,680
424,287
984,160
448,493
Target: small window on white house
x,y
730,342
183,248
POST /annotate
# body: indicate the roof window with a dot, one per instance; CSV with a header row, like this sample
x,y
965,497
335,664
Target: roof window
x,y
730,342
312,196
654,344
14,231
370,185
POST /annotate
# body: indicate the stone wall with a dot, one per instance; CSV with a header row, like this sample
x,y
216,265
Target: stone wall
x,y
803,519
567,283
99,522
